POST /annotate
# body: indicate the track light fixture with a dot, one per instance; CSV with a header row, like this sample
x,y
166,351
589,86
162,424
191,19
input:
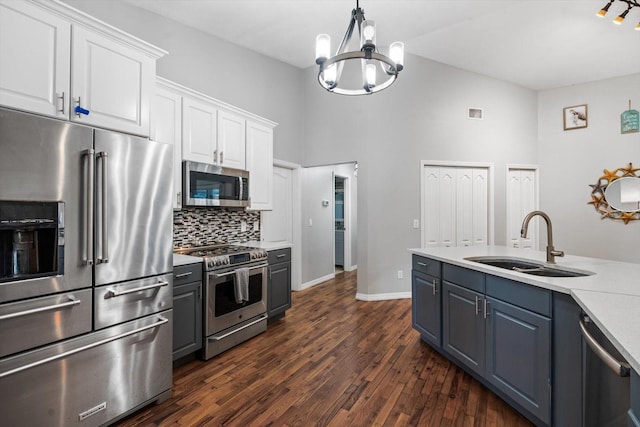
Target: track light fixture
x,y
620,18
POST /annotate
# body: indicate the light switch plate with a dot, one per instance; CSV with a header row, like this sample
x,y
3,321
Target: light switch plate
x,y
416,223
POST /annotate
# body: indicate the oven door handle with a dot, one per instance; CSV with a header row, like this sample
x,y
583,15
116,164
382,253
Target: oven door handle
x,y
620,368
116,293
218,276
55,307
220,337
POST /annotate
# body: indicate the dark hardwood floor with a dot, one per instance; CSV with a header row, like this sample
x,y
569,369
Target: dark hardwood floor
x,y
332,361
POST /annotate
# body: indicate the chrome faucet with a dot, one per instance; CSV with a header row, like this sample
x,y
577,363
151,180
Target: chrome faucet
x,y
551,252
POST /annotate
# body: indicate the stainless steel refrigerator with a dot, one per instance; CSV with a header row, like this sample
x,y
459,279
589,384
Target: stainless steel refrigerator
x,y
85,272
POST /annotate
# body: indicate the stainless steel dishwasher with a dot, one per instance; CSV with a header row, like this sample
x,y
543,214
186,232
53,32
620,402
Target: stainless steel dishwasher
x,y
605,391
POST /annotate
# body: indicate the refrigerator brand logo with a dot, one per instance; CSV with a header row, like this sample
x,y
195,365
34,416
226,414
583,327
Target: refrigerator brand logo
x,y
86,414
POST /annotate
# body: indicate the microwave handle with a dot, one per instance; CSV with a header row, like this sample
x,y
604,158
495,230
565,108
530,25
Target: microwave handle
x,y
241,188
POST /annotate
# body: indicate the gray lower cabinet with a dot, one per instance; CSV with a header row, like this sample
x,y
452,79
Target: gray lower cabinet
x,y
462,327
187,310
426,305
501,331
634,411
279,283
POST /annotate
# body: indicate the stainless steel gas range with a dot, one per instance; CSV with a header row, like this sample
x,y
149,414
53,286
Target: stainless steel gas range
x,y
235,296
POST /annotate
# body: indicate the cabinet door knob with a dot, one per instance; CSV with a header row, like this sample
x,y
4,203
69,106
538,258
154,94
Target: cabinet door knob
x,y
79,110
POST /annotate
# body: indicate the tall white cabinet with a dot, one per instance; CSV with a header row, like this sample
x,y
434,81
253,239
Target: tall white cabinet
x,y
59,62
206,130
455,204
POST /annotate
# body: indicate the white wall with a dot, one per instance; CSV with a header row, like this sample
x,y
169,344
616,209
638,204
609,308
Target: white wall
x,y
423,116
238,76
572,160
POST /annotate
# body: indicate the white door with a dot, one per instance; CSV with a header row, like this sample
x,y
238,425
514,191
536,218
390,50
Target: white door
x,y
260,165
113,81
455,206
231,140
521,199
198,130
35,59
166,126
277,224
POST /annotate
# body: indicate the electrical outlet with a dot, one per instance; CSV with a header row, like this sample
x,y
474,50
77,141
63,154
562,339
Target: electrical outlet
x,y
256,226
400,274
416,223
243,226
310,222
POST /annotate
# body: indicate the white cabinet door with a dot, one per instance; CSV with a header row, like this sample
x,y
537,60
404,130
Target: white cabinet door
x,y
198,130
34,59
447,202
277,224
113,81
166,126
431,209
260,166
231,140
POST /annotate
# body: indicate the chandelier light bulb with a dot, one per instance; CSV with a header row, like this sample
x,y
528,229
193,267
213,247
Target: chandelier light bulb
x,y
323,48
396,53
368,36
638,27
604,10
330,75
370,75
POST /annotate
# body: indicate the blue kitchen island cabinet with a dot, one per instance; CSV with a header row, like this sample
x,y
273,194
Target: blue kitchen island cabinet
x,y
634,411
426,304
500,331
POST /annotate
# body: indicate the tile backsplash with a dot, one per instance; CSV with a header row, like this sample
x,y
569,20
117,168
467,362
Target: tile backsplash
x,y
206,226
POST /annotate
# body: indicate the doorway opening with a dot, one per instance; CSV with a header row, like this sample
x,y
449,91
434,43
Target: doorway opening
x,y
339,222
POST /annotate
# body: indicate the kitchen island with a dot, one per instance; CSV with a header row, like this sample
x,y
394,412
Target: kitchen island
x,y
542,310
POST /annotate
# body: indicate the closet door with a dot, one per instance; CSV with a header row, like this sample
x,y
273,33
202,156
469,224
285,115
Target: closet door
x,y
521,199
455,206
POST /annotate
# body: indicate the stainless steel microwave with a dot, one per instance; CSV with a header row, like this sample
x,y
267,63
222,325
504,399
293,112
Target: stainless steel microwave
x,y
211,185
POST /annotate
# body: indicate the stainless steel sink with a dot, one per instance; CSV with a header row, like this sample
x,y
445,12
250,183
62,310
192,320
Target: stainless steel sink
x,y
526,266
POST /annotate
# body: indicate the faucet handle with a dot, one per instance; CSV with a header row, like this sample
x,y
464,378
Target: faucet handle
x,y
557,253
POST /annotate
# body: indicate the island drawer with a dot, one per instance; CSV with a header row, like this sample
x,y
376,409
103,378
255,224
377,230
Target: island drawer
x,y
461,276
279,255
426,265
526,296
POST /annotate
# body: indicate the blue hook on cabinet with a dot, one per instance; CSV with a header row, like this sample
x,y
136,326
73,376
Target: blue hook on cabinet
x,y
79,110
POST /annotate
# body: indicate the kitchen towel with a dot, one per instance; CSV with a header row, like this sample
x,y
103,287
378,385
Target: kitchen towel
x,y
242,285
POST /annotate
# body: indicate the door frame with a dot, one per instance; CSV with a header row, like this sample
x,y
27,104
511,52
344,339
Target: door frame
x,y
347,265
455,164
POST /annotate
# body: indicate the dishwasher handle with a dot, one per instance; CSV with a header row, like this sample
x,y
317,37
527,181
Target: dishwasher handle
x,y
621,369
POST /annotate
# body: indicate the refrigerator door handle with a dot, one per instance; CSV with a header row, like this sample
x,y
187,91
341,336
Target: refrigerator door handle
x,y
104,257
87,258
160,321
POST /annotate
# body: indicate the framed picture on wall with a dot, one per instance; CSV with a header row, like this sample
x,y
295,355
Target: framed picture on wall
x,y
575,117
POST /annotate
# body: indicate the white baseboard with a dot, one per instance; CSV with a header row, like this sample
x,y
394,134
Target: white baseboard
x,y
317,281
383,297
353,267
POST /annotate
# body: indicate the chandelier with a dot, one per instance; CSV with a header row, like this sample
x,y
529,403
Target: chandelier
x,y
331,67
620,18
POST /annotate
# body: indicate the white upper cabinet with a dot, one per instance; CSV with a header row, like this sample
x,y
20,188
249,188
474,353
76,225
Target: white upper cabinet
x,y
260,165
35,58
166,127
54,58
198,130
231,141
113,81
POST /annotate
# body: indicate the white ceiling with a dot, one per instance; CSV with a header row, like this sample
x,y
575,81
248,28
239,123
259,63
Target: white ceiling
x,y
539,44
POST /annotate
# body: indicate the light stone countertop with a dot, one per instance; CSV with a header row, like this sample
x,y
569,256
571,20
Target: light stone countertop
x,y
179,259
267,246
611,297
